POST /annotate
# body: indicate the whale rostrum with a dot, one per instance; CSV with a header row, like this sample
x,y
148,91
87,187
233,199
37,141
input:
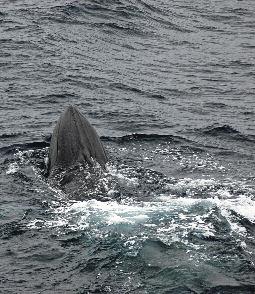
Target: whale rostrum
x,y
74,140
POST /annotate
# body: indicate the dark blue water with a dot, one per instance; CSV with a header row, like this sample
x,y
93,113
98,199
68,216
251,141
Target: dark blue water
x,y
170,88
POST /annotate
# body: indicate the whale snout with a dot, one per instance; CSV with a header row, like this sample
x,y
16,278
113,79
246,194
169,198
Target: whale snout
x,y
75,140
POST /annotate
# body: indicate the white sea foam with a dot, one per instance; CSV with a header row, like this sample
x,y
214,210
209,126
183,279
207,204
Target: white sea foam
x,y
12,168
122,176
169,217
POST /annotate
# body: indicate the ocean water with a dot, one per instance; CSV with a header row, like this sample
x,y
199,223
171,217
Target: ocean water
x,y
170,88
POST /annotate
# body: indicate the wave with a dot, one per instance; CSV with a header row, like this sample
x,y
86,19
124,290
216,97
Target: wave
x,y
223,131
229,289
124,87
25,146
144,137
227,131
11,135
215,105
137,18
2,16
216,130
57,97
8,230
121,8
126,138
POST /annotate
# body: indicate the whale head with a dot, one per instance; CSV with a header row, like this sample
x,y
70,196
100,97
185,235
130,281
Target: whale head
x,y
73,141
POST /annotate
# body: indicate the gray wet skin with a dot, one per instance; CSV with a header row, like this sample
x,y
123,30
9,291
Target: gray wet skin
x,y
74,140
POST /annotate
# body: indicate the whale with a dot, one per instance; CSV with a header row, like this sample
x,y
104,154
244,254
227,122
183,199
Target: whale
x,y
74,140
77,158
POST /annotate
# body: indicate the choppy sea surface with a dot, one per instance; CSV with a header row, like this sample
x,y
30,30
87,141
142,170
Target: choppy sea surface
x,y
170,88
